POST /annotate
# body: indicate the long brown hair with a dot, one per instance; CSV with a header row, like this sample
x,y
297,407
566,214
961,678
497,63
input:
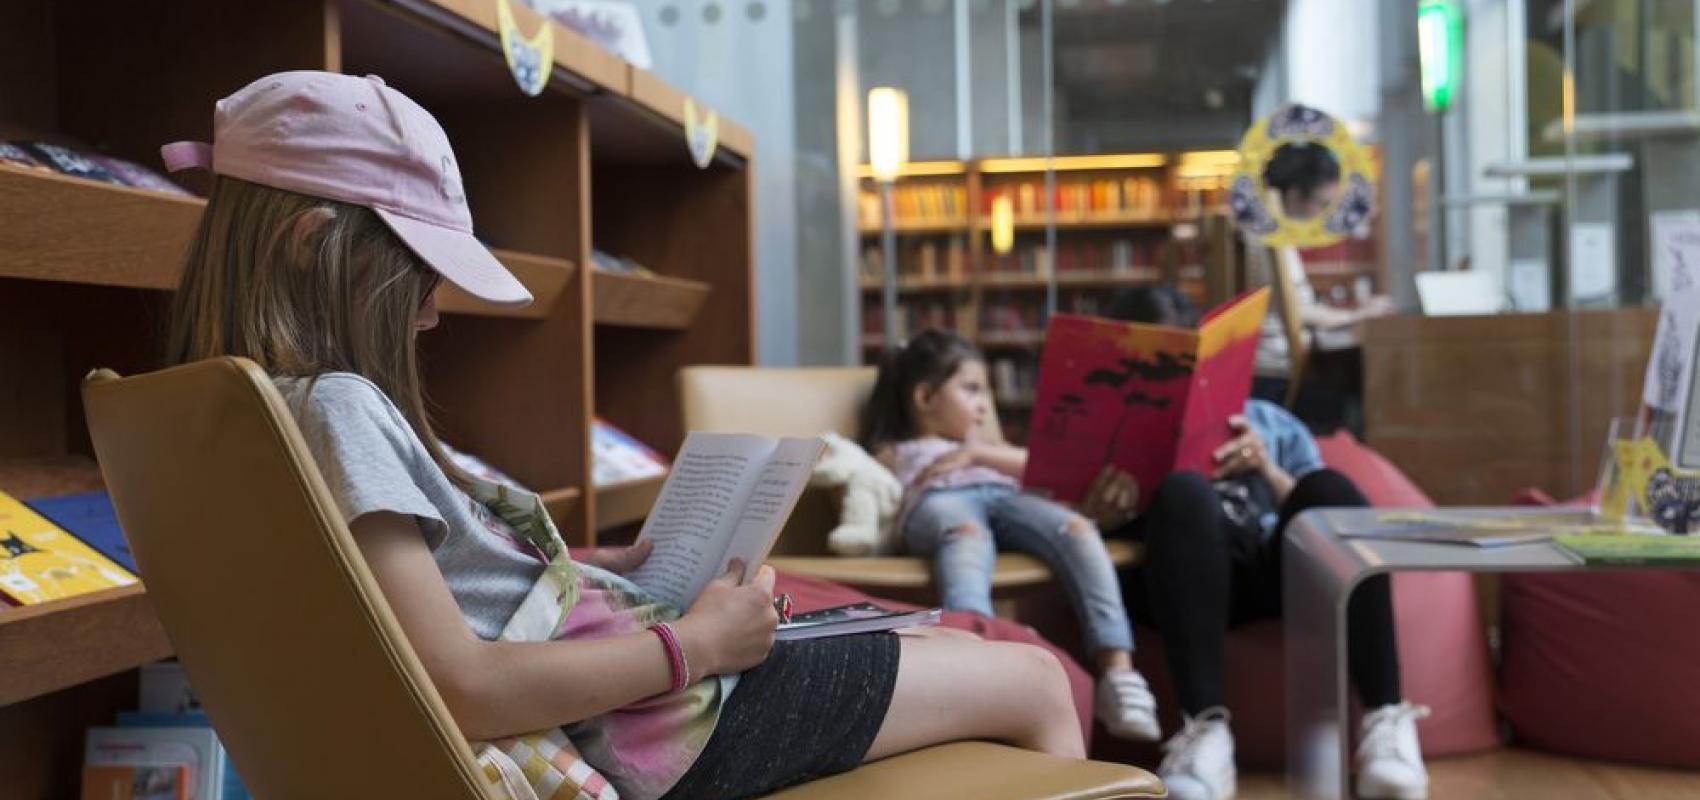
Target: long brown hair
x,y
304,286
928,359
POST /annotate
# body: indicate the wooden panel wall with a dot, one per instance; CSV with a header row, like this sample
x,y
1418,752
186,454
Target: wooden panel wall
x,y
1475,409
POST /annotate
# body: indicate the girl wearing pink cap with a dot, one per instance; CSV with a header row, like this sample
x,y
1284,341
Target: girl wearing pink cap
x,y
336,209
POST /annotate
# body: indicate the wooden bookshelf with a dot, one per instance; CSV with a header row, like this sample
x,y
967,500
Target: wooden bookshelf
x,y
86,269
627,502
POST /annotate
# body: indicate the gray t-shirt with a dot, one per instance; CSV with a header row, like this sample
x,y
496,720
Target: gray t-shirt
x,y
373,461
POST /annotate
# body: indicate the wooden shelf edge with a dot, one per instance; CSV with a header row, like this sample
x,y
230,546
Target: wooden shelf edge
x,y
626,502
545,277
71,230
645,301
48,647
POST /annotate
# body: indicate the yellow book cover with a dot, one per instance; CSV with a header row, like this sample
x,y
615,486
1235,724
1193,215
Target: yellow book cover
x,y
40,562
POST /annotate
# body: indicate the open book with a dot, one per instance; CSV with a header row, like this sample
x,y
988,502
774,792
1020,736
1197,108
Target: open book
x,y
727,497
1150,399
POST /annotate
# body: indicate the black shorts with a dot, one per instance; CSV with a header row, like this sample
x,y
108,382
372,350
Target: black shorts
x,y
810,710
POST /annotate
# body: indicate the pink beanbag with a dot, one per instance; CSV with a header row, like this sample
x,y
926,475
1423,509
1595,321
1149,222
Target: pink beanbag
x,y
809,594
1604,665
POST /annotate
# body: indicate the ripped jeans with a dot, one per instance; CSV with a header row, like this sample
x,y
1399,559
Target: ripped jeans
x,y
963,528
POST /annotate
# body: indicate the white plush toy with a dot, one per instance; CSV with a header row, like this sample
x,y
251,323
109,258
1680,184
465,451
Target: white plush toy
x,y
868,517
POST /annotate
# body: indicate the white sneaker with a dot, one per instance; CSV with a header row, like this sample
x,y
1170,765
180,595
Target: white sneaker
x,y
1199,764
1126,707
1390,762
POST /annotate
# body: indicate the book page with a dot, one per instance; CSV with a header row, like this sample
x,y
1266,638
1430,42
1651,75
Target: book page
x,y
695,514
772,496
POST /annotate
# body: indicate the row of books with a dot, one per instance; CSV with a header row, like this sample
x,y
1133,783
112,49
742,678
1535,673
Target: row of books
x,y
79,163
925,259
912,316
943,203
1134,195
1121,255
1016,313
164,750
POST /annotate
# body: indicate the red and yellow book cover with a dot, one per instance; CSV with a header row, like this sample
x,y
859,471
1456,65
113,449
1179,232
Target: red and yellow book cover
x,y
1150,399
40,562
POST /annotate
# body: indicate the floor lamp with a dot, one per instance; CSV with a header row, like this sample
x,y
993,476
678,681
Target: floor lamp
x,y
888,151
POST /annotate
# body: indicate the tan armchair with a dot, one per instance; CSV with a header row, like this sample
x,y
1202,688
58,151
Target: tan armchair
x,y
304,671
808,401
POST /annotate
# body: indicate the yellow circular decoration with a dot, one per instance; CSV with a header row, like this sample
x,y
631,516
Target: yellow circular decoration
x,y
1249,197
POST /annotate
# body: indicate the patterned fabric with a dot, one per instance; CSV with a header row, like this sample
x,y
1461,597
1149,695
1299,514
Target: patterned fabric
x,y
637,752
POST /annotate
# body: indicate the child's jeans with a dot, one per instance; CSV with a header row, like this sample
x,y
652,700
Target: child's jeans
x,y
962,529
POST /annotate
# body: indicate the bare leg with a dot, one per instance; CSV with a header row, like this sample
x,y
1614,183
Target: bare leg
x,y
954,690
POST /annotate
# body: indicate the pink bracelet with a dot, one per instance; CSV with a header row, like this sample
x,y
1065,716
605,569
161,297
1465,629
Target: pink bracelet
x,y
675,657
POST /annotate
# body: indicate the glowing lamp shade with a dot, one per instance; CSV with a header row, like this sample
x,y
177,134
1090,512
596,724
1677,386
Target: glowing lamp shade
x,y
888,132
1440,49
1003,225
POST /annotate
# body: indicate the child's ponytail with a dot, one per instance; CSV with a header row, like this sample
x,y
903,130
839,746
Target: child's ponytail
x,y
929,359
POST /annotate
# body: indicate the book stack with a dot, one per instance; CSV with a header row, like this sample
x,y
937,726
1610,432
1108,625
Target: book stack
x,y
41,561
165,750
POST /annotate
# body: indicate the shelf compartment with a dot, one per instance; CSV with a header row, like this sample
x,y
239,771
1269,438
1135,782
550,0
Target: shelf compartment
x,y
545,277
626,502
919,226
29,478
1036,222
645,301
72,230
561,503
48,647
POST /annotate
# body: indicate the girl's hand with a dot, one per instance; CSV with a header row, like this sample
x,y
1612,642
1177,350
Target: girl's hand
x,y
620,561
730,627
1111,499
964,456
1244,453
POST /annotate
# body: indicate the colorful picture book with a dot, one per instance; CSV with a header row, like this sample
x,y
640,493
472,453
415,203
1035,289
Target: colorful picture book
x,y
136,782
853,618
40,561
196,748
90,517
617,456
1631,550
1149,399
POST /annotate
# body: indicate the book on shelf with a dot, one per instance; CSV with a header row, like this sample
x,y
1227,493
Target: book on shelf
x,y
1129,196
196,748
40,561
231,786
1631,549
726,498
90,517
618,457
852,619
916,203
1149,399
164,781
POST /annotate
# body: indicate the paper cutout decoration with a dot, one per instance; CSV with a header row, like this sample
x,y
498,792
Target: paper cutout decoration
x,y
1249,197
1646,484
701,136
530,60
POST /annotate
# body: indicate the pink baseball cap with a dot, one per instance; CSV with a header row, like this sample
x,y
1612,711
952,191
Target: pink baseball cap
x,y
358,141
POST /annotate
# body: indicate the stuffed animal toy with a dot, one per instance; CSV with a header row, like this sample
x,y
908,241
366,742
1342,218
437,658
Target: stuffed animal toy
x,y
868,516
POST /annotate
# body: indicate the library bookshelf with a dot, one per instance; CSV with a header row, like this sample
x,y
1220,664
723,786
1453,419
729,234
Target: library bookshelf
x,y
1122,220
597,162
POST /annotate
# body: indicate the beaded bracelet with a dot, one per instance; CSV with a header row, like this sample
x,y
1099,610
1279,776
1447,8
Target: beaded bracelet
x,y
675,657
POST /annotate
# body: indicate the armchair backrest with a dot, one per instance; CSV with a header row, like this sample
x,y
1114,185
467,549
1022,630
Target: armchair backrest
x,y
284,633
